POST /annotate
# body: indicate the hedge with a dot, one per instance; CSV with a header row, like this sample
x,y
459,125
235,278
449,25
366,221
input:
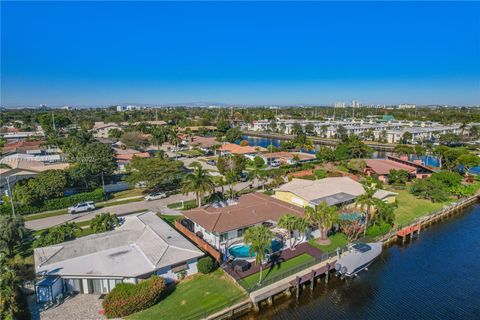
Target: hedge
x,y
378,230
55,204
128,298
206,265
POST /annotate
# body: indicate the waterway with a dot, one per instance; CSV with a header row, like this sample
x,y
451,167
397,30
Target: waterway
x,y
265,143
434,277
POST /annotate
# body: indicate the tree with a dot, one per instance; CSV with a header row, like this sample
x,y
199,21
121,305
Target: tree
x,y
324,216
296,129
407,137
403,150
9,284
419,150
174,140
450,139
468,161
398,176
46,185
352,229
288,222
385,213
244,143
325,154
356,165
104,222
367,200
383,136
430,189
158,174
235,163
159,137
65,232
223,126
92,163
199,182
323,131
115,133
12,233
310,128
259,239
447,178
258,161
233,134
342,133
135,140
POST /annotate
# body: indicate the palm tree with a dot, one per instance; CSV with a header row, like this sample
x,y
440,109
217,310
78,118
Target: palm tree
x,y
8,289
104,222
259,239
324,216
367,201
303,226
198,181
289,222
12,233
158,137
174,140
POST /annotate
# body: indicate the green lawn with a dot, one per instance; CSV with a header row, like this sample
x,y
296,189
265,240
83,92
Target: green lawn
x,y
338,240
178,205
127,193
195,298
277,269
411,207
45,215
170,218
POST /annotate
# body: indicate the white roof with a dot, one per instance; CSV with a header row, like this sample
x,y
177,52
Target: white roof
x,y
312,190
143,244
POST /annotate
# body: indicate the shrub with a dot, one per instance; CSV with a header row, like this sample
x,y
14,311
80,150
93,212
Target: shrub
x,y
128,298
378,230
206,265
320,173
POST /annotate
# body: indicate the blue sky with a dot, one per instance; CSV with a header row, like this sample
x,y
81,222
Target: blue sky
x,y
93,53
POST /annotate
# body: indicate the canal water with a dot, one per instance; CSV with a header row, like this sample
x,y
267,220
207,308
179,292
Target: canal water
x,y
436,276
265,143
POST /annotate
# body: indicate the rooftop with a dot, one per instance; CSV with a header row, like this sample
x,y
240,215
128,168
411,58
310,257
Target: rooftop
x,y
143,244
383,166
251,209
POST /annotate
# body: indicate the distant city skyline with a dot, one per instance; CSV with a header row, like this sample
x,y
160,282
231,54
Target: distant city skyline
x,y
106,53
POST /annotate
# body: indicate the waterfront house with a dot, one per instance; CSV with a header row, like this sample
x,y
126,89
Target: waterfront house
x,y
232,148
287,157
380,168
221,226
336,191
143,246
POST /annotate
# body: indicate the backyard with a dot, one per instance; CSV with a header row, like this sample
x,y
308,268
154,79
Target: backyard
x,y
411,207
269,273
338,240
195,298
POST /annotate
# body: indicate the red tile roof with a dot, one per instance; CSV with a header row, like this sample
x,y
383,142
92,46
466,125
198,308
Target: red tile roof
x,y
251,209
383,167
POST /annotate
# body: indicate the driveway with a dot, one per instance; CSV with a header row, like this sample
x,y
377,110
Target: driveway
x,y
201,160
121,209
78,307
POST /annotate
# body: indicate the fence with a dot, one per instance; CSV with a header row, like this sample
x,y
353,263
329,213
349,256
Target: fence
x,y
291,271
198,241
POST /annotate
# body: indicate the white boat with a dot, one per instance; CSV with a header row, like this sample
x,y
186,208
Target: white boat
x,y
360,256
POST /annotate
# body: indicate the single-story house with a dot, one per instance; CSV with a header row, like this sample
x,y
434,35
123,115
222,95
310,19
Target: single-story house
x,y
338,191
288,157
142,246
204,143
101,128
232,148
20,169
220,226
382,167
123,157
21,146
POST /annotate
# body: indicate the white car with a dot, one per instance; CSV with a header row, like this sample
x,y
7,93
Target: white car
x,y
81,207
155,196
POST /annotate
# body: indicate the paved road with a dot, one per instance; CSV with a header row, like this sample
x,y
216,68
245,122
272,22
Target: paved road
x,y
121,209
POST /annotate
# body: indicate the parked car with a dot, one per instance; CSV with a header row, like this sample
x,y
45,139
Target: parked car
x,y
155,196
243,177
275,163
211,162
81,207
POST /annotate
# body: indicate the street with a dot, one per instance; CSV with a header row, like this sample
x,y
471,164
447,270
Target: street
x,y
122,209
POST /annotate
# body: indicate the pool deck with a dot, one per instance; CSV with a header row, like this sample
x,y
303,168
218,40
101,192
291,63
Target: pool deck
x,y
285,255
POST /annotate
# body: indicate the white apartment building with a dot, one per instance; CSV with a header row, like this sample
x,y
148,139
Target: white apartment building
x,y
406,106
339,104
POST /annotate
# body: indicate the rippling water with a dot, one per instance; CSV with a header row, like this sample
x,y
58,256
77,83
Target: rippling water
x,y
437,276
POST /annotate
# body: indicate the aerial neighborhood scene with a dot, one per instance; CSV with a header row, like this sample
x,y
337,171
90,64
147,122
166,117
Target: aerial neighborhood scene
x,y
239,160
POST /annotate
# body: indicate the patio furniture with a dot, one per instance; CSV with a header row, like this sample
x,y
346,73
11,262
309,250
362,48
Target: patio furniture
x,y
240,265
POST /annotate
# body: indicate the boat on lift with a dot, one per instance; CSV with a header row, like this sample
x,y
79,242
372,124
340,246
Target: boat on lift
x,y
360,255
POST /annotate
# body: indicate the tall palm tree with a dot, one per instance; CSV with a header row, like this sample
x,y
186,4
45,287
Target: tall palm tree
x,y
324,216
174,139
12,233
289,222
367,201
8,289
259,238
158,137
198,181
303,226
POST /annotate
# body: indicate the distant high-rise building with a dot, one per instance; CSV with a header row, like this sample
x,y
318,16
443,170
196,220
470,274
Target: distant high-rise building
x,y
406,106
355,104
339,104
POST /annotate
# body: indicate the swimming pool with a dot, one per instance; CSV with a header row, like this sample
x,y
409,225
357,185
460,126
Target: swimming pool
x,y
241,250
